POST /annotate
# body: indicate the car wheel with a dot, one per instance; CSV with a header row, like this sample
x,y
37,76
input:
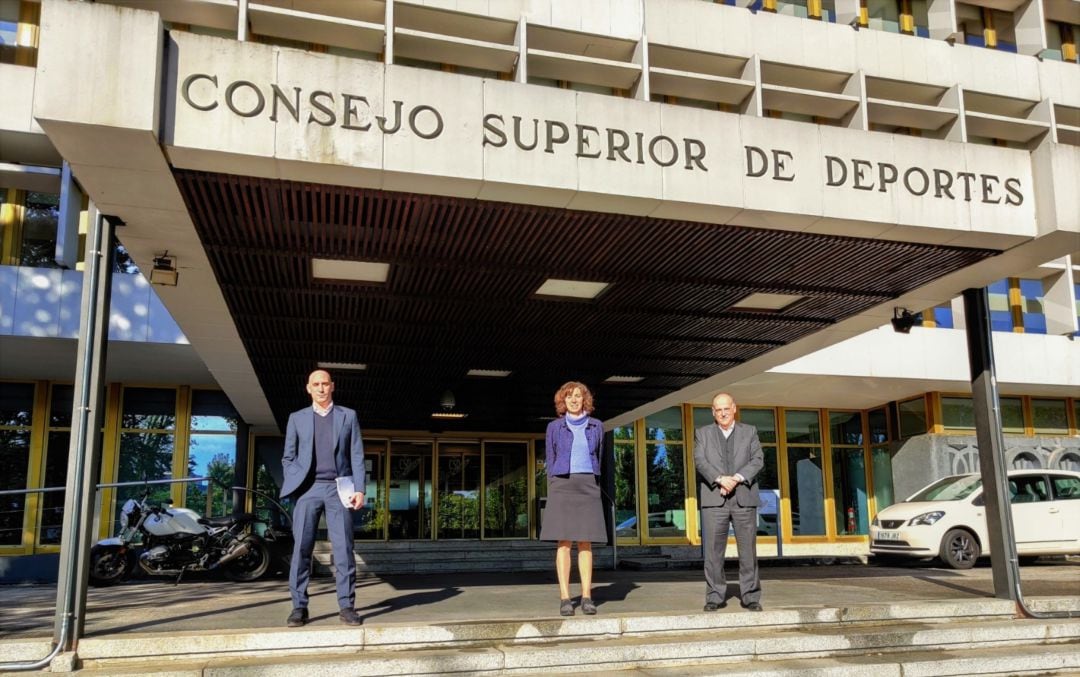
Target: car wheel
x,y
959,549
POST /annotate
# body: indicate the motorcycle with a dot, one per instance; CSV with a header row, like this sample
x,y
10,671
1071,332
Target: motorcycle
x,y
177,540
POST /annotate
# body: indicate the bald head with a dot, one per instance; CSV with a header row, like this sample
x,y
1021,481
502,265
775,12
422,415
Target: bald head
x,y
321,387
723,409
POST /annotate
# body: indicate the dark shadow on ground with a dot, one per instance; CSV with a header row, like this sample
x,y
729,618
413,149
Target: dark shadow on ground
x,y
406,601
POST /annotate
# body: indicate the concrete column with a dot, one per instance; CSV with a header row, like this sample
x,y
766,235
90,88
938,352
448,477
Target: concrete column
x,y
67,231
1059,299
1030,22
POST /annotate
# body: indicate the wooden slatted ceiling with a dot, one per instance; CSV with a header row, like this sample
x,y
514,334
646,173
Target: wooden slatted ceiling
x,y
460,295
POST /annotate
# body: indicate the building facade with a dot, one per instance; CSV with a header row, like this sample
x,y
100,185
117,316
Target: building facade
x,y
457,206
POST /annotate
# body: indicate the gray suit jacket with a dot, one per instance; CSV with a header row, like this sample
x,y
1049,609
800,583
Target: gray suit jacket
x,y
299,456
748,462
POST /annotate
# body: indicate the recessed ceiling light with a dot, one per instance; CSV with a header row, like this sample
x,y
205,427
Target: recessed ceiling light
x,y
448,414
488,373
575,289
348,366
351,271
767,302
624,379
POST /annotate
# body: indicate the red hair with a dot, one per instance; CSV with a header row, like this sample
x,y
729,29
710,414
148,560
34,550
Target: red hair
x,y
564,391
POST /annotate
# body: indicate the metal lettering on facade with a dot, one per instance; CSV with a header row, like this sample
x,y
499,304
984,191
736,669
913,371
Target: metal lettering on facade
x,y
202,92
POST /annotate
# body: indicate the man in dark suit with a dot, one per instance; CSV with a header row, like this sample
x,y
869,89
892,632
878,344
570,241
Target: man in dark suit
x,y
323,450
728,456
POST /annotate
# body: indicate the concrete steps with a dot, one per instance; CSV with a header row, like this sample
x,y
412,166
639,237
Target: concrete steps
x,y
419,557
919,638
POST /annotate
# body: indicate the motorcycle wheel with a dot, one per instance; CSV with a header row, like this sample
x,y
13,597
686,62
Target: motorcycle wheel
x,y
251,566
109,565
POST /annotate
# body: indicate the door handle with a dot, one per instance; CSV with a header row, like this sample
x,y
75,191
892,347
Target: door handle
x,y
1054,511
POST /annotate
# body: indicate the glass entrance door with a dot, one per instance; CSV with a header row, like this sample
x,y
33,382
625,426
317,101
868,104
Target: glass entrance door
x,y
458,502
410,490
506,490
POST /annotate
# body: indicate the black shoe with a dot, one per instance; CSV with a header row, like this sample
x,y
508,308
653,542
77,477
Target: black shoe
x,y
587,606
297,618
713,606
566,607
350,617
752,606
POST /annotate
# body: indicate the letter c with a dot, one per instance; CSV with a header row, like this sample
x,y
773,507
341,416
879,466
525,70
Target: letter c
x,y
185,90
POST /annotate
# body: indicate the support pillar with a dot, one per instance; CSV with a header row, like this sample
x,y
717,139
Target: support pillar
x,y
84,454
999,526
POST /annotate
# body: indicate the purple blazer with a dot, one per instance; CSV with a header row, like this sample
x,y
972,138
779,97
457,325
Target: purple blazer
x,y
560,439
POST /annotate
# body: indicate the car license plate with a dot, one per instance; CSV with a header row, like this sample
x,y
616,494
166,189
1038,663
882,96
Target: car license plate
x,y
888,535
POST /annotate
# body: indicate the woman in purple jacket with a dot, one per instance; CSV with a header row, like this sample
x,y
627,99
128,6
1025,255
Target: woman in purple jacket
x,y
574,511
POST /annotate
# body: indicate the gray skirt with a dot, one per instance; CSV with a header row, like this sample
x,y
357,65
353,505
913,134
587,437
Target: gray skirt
x,y
574,511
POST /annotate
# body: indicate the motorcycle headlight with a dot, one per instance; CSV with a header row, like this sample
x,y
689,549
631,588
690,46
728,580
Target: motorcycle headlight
x,y
927,518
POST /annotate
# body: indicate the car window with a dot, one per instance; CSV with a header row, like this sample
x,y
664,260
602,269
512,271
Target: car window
x,y
1028,489
949,489
1065,487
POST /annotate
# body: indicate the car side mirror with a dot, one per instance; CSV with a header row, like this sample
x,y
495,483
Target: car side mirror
x,y
979,501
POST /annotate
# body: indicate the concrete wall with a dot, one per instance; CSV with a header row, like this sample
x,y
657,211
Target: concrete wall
x,y
922,459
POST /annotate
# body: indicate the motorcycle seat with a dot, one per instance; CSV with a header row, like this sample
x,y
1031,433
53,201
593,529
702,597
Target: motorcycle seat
x,y
226,520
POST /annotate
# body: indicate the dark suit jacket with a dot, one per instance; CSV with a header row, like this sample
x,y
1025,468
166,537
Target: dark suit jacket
x,y
748,461
299,457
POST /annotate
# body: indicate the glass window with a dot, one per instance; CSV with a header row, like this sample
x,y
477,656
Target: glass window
x,y
16,413
665,425
212,411
849,491
369,522
957,412
149,409
9,26
1028,489
410,488
845,427
625,490
122,261
665,478
884,495
949,489
884,15
762,419
506,490
1031,299
1012,414
1049,417
146,443
458,511
802,427
879,426
40,219
806,480
703,416
58,443
912,417
998,297
1076,415
1066,488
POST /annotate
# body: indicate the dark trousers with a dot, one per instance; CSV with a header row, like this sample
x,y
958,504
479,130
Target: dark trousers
x,y
714,536
322,497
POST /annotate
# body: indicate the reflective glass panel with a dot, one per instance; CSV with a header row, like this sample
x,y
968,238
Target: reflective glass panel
x,y
845,427
60,406
665,425
210,456
52,508
625,491
849,492
957,412
1050,417
884,495
40,217
1012,415
149,408
410,490
211,410
762,419
666,486
802,427
368,521
459,491
506,490
806,479
16,404
14,460
912,417
879,426
144,456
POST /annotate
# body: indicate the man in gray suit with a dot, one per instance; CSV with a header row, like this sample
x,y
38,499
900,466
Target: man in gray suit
x,y
729,457
323,450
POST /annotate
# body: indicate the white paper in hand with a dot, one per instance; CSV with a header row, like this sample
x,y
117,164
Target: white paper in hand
x,y
345,490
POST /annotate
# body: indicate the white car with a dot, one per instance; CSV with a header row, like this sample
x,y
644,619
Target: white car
x,y
947,519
